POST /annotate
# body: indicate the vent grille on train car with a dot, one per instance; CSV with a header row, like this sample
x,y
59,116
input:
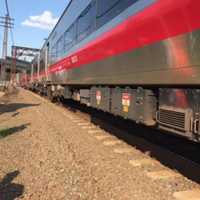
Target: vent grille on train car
x,y
179,119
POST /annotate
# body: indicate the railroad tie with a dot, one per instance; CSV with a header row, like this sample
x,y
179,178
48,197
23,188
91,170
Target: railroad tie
x,y
187,195
143,162
162,175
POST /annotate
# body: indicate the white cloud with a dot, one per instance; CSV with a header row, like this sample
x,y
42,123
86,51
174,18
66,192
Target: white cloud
x,y
44,21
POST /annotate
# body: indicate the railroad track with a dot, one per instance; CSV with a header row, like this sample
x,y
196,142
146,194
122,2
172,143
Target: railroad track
x,y
172,151
155,151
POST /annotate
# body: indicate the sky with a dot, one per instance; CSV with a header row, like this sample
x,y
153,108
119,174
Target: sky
x,y
34,20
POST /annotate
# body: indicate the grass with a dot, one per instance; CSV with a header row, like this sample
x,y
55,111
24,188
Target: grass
x,y
5,132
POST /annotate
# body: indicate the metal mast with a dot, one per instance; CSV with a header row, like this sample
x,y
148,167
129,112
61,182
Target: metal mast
x,y
7,23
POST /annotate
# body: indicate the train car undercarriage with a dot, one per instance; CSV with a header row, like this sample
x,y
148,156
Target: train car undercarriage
x,y
169,109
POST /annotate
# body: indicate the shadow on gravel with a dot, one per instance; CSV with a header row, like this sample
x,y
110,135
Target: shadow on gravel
x,y
13,107
158,144
15,114
10,131
9,190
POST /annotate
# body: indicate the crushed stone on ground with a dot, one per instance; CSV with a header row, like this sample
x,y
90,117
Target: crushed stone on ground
x,y
1,94
46,155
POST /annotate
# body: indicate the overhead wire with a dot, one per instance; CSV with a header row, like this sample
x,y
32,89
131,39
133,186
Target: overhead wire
x,y
7,8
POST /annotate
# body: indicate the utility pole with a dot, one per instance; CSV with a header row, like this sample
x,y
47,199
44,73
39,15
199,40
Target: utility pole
x,y
7,23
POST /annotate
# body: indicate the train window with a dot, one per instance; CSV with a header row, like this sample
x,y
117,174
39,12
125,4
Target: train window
x,y
69,37
86,21
60,47
107,10
53,54
42,63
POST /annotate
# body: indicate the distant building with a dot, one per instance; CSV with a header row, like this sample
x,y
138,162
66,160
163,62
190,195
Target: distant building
x,y
14,65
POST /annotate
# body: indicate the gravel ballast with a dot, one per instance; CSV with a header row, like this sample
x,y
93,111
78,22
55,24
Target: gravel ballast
x,y
49,153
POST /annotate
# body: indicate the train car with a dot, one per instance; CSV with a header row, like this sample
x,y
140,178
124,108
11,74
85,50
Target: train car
x,y
139,59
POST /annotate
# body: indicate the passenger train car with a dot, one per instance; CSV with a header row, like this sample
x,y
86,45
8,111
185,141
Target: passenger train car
x,y
139,59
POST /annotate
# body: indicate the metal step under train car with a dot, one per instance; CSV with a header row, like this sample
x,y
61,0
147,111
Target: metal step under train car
x,y
139,59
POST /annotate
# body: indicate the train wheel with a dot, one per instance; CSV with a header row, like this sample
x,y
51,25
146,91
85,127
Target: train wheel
x,y
50,94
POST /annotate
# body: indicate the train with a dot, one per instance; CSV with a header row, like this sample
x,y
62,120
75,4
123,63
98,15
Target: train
x,y
138,59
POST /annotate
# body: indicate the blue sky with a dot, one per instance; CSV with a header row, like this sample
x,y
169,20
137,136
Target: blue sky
x,y
31,31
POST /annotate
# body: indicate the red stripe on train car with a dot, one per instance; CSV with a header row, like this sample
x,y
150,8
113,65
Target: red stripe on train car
x,y
161,20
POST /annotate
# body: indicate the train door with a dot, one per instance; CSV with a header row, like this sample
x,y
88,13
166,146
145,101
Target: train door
x,y
47,60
